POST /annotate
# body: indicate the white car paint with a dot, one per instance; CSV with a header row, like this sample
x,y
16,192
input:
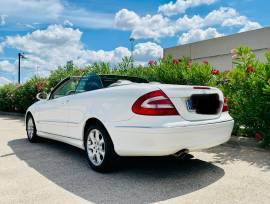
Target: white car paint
x,y
64,119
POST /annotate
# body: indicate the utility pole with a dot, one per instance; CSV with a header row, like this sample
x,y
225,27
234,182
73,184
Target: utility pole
x,y
19,68
132,40
20,56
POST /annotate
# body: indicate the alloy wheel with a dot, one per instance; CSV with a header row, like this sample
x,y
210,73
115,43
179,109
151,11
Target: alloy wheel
x,y
30,128
95,147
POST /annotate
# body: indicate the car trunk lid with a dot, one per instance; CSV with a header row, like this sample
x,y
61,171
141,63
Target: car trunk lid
x,y
195,102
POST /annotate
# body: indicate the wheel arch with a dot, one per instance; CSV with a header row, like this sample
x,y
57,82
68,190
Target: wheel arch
x,y
94,121
27,114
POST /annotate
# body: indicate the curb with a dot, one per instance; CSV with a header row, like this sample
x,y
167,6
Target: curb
x,y
12,114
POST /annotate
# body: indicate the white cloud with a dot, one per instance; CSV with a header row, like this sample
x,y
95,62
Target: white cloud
x,y
32,9
235,21
157,26
149,26
126,20
186,23
250,25
87,19
3,19
146,51
50,47
54,46
4,80
40,40
226,16
68,23
6,66
220,15
1,47
180,6
51,12
198,34
112,57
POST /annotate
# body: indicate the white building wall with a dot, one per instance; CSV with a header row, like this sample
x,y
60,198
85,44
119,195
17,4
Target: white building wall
x,y
217,50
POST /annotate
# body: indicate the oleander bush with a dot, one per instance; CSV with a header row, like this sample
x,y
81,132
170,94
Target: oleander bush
x,y
247,86
248,90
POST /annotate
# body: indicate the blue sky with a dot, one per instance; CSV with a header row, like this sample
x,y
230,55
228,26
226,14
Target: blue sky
x,y
51,32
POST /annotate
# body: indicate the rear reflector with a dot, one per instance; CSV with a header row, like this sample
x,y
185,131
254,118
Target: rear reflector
x,y
154,103
225,105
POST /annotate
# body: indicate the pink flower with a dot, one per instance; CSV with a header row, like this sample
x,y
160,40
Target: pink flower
x,y
258,136
40,86
151,62
233,51
215,72
175,61
205,62
250,69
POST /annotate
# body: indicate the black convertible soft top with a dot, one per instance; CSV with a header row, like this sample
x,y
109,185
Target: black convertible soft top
x,y
107,80
98,81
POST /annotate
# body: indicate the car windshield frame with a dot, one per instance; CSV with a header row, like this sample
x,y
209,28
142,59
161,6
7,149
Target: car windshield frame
x,y
61,83
101,78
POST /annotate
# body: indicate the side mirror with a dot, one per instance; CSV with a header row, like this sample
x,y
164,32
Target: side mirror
x,y
42,96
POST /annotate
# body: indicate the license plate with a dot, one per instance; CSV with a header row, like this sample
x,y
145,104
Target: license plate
x,y
189,105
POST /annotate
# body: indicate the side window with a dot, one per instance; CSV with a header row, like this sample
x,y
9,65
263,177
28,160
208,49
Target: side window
x,y
65,89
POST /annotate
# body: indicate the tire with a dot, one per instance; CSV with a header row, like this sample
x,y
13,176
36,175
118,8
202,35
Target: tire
x,y
31,129
99,148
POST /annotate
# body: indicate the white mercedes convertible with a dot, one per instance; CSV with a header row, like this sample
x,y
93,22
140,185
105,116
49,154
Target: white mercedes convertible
x,y
109,116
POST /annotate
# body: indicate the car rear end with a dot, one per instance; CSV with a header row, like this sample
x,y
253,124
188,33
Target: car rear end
x,y
172,118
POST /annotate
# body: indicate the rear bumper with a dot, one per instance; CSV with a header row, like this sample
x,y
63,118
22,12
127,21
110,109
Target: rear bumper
x,y
161,141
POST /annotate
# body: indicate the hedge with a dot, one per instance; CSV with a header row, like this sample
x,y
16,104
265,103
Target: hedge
x,y
247,86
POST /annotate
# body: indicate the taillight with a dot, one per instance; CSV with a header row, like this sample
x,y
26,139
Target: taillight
x,y
154,103
225,105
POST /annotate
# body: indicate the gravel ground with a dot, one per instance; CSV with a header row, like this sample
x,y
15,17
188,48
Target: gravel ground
x,y
52,172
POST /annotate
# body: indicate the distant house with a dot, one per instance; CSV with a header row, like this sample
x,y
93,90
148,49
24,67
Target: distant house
x,y
217,50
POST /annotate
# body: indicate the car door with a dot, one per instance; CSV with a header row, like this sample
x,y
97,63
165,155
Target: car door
x,y
79,104
53,114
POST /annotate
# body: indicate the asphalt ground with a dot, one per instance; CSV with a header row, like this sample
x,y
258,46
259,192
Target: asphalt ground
x,y
53,172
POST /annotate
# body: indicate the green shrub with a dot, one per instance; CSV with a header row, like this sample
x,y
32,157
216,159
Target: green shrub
x,y
7,97
249,99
